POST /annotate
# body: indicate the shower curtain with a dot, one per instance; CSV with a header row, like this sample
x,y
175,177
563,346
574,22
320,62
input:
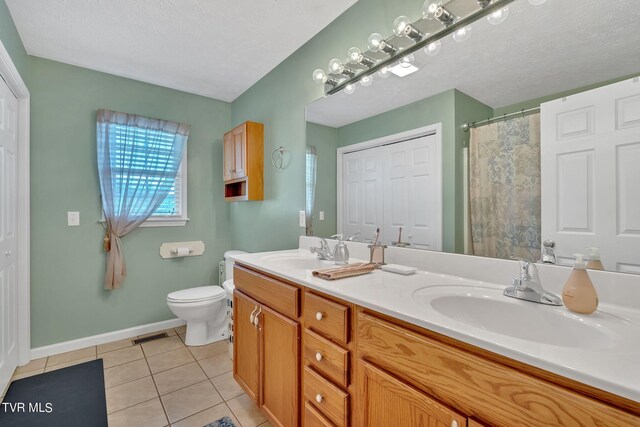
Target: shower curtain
x,y
504,189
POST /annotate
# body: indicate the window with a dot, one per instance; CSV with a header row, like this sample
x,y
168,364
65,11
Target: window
x,y
173,210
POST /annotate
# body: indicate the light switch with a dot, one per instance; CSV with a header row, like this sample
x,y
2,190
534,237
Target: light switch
x,y
73,219
321,215
302,219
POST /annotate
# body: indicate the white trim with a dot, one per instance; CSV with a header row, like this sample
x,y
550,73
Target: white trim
x,y
11,75
63,347
434,129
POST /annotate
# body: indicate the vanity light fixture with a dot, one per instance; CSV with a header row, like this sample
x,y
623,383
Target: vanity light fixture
x,y
384,72
356,57
402,27
366,81
462,34
349,89
484,3
499,16
377,43
432,49
445,17
429,9
337,67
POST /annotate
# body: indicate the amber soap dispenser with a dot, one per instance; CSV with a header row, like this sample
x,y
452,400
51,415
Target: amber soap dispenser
x,y
578,294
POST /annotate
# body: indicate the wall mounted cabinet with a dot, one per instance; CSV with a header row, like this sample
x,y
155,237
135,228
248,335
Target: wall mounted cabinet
x,y
243,162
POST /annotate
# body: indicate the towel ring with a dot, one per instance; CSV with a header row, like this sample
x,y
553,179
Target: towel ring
x,y
277,158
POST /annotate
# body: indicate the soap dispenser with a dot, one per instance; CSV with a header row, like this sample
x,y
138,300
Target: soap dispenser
x,y
578,294
594,259
341,251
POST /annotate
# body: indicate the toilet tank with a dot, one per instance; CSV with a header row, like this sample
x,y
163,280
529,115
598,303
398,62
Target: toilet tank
x,y
228,263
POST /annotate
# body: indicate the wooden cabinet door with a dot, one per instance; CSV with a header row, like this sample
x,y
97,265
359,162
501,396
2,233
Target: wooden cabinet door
x,y
229,161
240,152
386,401
280,367
246,349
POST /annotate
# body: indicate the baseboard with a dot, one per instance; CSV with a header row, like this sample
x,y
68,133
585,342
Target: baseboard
x,y
63,347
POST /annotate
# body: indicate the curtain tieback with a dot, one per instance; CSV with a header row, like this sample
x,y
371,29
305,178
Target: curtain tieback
x,y
107,239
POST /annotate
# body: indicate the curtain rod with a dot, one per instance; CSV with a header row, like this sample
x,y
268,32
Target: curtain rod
x,y
484,122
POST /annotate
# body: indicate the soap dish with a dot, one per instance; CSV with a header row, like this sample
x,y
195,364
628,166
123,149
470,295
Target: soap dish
x,y
399,269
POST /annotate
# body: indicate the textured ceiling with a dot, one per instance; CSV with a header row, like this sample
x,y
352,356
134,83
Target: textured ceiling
x,y
215,48
537,51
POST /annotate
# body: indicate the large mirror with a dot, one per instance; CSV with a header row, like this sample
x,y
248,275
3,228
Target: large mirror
x,y
549,166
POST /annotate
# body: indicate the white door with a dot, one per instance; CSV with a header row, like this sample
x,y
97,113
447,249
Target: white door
x,y
8,239
412,193
590,148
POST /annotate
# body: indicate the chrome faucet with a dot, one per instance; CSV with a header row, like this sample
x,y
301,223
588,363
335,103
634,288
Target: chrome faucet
x,y
548,256
324,251
529,288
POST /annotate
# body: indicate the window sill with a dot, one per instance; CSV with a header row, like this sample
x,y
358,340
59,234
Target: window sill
x,y
173,222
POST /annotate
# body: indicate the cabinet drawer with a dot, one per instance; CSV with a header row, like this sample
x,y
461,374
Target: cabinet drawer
x,y
500,395
334,360
329,399
313,418
327,317
277,295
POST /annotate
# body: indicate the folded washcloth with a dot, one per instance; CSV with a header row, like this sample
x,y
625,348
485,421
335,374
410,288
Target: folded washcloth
x,y
346,271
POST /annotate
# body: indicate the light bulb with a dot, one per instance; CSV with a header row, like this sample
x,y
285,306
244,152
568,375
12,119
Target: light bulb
x,y
335,66
498,16
373,42
354,55
349,89
429,8
319,76
407,60
462,35
366,81
384,72
537,2
433,49
400,25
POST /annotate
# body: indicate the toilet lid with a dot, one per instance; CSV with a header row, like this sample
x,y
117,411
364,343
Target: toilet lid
x,y
201,293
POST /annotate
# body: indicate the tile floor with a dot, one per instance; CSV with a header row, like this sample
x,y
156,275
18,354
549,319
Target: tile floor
x,y
162,382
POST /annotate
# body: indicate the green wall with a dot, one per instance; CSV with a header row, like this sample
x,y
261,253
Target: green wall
x,y
325,139
67,263
11,40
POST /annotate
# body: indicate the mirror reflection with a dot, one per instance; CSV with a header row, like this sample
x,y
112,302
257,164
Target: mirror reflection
x,y
523,148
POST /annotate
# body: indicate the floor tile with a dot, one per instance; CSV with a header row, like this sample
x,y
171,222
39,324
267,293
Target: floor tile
x,y
181,329
208,416
246,411
146,414
170,332
50,367
180,377
130,394
216,365
213,349
171,359
126,372
26,374
183,337
190,400
83,353
162,345
227,386
115,345
125,355
267,424
32,366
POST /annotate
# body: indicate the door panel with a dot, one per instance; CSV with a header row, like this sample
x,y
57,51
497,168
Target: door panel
x,y
8,240
280,362
246,349
240,152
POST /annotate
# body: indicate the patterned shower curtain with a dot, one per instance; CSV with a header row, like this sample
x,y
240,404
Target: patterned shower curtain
x,y
504,189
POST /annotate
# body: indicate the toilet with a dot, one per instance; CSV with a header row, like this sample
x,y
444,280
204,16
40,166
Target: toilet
x,y
204,308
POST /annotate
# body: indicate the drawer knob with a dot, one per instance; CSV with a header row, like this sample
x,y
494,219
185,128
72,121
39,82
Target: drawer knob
x,y
319,398
319,356
319,316
454,424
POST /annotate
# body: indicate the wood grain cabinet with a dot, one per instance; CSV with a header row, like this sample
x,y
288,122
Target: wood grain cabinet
x,y
243,162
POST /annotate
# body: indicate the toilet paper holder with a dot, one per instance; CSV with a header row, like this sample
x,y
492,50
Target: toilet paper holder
x,y
177,249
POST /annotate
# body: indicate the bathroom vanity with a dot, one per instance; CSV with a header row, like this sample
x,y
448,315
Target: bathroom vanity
x,y
378,350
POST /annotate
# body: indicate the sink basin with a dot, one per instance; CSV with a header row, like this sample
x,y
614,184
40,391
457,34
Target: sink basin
x,y
297,261
487,309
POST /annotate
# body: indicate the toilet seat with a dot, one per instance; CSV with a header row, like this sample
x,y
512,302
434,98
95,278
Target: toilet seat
x,y
198,294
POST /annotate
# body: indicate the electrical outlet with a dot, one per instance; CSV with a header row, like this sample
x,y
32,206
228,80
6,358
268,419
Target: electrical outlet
x,y
321,215
303,219
73,219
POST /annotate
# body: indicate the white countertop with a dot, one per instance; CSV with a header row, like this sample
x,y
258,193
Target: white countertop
x,y
615,369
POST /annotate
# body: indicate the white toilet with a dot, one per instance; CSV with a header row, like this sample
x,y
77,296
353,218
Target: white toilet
x,y
204,309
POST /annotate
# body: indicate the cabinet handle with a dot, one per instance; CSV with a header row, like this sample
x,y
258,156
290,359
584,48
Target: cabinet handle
x,y
319,398
256,321
319,356
319,316
454,424
253,314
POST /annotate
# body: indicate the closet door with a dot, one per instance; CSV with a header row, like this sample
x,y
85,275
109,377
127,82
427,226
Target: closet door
x,y
590,148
